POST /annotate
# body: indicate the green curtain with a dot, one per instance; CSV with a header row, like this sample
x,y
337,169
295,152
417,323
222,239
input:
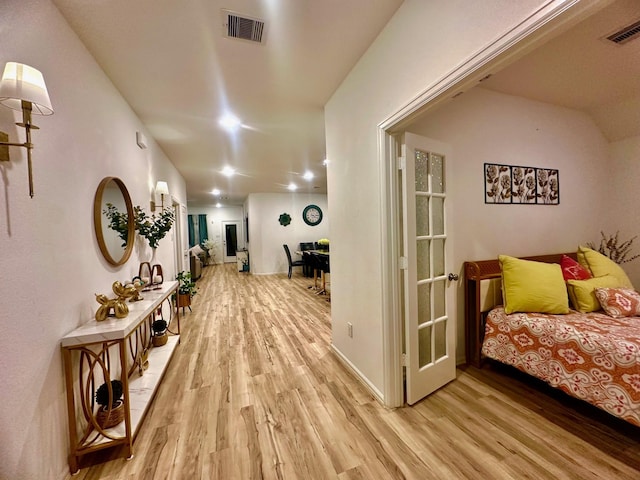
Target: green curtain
x,y
192,232
202,228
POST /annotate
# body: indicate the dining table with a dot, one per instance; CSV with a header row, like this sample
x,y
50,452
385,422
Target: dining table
x,y
311,267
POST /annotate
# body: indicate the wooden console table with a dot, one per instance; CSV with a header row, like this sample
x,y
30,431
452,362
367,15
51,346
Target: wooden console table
x,y
116,349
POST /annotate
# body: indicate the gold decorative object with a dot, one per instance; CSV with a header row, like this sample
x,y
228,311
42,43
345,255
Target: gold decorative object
x,y
138,284
119,304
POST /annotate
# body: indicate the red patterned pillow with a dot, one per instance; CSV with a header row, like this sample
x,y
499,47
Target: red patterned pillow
x,y
572,270
619,302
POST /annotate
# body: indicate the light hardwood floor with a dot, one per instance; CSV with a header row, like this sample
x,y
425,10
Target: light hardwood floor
x,y
254,392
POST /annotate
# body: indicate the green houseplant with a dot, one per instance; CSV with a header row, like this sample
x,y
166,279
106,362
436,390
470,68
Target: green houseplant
x,y
118,222
153,227
186,289
109,397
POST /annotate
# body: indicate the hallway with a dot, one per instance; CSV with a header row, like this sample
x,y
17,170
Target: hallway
x,y
254,391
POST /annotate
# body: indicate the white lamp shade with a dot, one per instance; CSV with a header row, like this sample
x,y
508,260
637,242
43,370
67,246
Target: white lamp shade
x,y
22,82
162,188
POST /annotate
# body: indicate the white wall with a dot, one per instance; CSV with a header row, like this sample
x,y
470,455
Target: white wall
x,y
485,126
422,43
215,217
624,200
266,235
51,264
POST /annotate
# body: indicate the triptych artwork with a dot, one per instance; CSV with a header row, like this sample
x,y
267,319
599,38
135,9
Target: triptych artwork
x,y
524,185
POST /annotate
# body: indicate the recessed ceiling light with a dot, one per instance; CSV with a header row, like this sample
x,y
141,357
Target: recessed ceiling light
x,y
229,122
292,187
325,162
215,191
228,171
218,205
308,175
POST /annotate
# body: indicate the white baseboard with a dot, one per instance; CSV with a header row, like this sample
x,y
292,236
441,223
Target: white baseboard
x,y
358,374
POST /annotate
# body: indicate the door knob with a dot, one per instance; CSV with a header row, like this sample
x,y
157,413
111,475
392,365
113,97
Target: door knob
x,y
453,277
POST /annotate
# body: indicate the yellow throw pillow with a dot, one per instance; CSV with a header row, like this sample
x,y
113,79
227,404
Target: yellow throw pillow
x,y
529,286
600,265
582,292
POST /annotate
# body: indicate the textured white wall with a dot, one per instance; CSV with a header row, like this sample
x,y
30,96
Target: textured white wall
x,y
421,44
624,201
266,235
51,264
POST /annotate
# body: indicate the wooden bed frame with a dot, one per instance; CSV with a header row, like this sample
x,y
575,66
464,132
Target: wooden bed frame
x,y
482,291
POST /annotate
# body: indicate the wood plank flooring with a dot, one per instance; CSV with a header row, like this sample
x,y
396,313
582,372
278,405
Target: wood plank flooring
x,y
254,392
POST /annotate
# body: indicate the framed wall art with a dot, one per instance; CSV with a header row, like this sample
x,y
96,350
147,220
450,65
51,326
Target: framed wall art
x,y
511,184
497,183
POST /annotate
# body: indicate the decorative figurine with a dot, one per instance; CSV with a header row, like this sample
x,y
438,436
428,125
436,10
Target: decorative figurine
x,y
119,304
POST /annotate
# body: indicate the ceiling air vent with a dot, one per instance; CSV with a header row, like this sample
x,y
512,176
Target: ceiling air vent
x,y
626,34
243,27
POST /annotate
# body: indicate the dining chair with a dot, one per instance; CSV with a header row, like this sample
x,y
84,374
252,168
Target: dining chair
x,y
321,264
292,263
305,247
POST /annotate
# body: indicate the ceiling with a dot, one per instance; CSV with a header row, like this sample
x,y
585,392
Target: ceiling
x,y
173,64
582,70
180,74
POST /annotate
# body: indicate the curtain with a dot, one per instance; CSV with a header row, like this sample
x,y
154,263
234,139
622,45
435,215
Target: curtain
x,y
192,233
202,228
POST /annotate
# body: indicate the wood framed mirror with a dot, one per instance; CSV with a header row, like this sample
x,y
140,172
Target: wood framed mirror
x,y
113,220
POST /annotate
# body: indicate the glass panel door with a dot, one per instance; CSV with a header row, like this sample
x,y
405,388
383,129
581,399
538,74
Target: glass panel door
x,y
429,332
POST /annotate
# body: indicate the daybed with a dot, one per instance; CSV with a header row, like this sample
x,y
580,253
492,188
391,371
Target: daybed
x,y
593,355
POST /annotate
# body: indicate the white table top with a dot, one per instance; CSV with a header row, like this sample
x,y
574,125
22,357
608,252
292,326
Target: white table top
x,y
119,328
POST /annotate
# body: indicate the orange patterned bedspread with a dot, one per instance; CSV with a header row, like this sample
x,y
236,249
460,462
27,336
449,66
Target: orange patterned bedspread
x,y
590,356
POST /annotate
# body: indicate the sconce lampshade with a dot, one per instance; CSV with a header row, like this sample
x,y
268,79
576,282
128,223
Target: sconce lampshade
x,y
22,82
162,188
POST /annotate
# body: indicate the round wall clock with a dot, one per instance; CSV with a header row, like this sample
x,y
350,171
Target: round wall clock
x,y
284,219
312,215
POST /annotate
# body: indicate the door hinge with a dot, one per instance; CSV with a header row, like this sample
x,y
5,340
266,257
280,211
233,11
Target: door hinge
x,y
404,359
402,263
402,163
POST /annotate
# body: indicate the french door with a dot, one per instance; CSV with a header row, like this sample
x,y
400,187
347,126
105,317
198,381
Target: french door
x,y
428,289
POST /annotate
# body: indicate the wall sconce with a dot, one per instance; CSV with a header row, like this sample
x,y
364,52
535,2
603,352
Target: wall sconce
x,y
22,88
162,189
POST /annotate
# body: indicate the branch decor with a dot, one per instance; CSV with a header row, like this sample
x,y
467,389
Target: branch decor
x,y
615,249
153,227
118,222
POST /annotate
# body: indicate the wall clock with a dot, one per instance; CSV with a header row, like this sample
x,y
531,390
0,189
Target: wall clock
x,y
312,215
284,219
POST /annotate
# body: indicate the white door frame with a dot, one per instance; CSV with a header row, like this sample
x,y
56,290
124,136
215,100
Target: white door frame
x,y
180,255
553,17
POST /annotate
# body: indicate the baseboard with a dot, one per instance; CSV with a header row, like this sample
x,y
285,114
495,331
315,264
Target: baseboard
x,y
358,374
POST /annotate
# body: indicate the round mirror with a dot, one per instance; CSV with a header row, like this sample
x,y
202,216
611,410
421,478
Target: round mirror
x,y
113,220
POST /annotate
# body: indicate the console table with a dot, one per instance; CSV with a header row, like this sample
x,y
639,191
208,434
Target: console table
x,y
99,352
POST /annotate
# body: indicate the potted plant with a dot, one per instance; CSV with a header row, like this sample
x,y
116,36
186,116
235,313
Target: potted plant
x,y
160,333
186,289
111,410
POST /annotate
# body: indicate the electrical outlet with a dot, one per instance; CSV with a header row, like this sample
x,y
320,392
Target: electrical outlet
x,y
350,329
